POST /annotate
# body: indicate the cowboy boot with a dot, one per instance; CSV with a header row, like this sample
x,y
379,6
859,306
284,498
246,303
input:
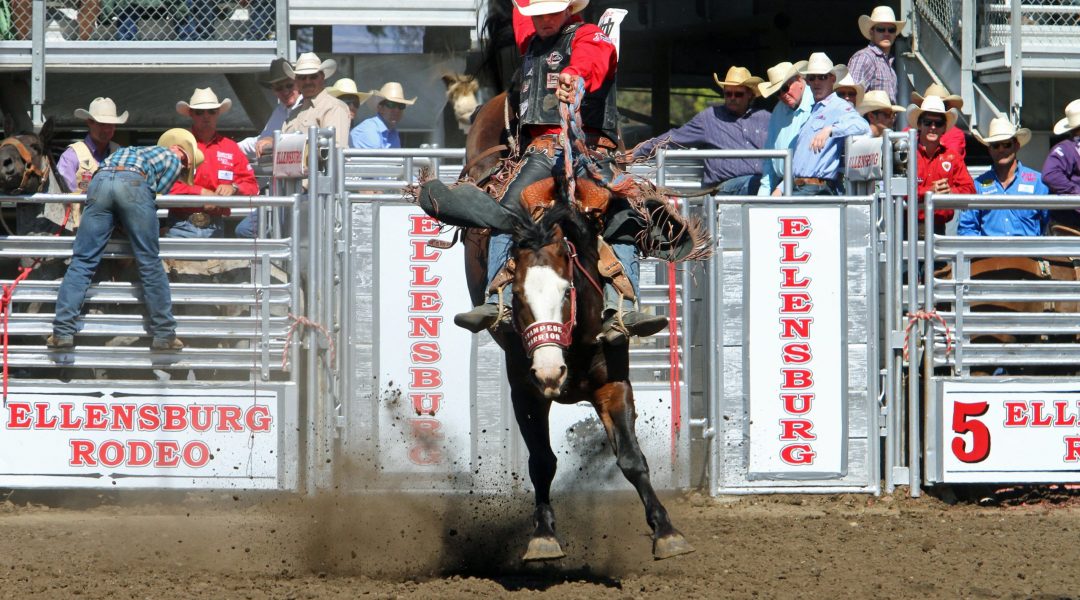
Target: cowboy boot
x,y
634,323
479,318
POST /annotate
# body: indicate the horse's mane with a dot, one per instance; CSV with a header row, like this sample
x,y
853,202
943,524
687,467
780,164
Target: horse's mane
x,y
532,234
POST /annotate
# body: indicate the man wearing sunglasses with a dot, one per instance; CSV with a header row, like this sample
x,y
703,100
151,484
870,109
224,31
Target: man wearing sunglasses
x,y
381,131
1061,170
1007,176
733,125
790,114
940,169
317,107
288,98
873,65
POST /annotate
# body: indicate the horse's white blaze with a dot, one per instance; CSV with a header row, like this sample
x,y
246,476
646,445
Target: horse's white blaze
x,y
544,293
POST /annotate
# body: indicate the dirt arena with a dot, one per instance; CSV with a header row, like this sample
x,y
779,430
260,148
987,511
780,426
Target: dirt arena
x,y
255,546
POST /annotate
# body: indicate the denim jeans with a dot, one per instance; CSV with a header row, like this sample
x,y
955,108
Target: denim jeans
x,y
743,185
814,189
249,227
113,196
186,229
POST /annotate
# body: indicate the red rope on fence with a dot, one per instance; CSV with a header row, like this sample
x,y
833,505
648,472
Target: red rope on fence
x,y
674,352
922,315
297,323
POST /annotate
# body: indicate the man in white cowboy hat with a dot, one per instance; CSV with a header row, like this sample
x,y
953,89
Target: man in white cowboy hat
x,y
873,65
225,170
288,98
954,139
821,75
318,107
849,89
940,169
78,163
380,131
123,191
344,89
879,113
1006,176
1061,171
560,51
733,125
791,112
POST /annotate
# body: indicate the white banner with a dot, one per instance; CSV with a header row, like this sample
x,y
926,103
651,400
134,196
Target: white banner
x,y
425,361
290,155
797,377
610,23
1010,432
863,159
180,437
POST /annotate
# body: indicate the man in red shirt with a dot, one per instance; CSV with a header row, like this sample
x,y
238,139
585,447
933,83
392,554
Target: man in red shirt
x,y
953,139
941,170
224,172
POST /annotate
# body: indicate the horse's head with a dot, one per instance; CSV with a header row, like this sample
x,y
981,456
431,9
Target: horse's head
x,y
461,93
24,166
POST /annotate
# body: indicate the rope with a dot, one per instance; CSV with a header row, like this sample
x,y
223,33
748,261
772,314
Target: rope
x,y
573,137
674,351
922,315
510,140
299,322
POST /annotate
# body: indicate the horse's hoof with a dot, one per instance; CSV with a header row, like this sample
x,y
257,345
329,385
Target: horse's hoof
x,y
672,545
543,548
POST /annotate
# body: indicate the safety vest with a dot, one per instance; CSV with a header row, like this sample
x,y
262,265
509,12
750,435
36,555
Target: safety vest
x,y
88,165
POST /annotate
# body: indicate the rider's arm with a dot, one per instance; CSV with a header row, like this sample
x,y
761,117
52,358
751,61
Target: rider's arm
x,y
593,57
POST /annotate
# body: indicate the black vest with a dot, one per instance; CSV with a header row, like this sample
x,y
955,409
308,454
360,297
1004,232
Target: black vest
x,y
543,62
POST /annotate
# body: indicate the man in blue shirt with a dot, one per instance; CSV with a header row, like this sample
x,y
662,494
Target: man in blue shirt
x,y
123,190
380,131
787,119
1007,176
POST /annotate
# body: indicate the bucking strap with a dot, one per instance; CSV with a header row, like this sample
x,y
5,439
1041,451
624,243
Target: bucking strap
x,y
610,268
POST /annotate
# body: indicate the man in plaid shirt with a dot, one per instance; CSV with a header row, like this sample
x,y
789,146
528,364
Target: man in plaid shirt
x,y
123,189
873,65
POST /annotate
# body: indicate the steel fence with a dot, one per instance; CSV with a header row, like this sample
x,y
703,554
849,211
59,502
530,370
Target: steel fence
x,y
1042,22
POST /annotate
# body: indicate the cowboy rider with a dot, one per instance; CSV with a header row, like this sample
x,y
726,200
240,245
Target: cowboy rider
x,y
558,49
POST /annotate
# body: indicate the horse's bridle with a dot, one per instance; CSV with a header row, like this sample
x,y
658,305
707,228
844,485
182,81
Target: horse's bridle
x,y
29,169
557,333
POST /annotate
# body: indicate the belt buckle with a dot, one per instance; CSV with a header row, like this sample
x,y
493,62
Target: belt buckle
x,y
199,219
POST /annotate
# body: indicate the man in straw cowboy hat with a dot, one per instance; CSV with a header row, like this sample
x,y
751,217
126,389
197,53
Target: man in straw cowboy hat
x,y
123,189
791,112
940,169
381,131
225,170
318,107
849,89
344,89
1061,170
733,125
1007,176
79,162
879,113
954,138
288,98
873,66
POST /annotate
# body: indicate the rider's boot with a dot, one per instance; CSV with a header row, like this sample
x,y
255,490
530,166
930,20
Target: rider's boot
x,y
618,330
479,318
488,315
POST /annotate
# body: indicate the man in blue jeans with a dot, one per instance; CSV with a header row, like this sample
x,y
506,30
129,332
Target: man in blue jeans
x,y
123,189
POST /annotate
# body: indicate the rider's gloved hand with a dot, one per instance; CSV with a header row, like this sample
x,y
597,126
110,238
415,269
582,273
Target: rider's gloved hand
x,y
567,87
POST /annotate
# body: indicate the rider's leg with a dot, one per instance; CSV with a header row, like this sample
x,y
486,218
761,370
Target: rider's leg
x,y
633,322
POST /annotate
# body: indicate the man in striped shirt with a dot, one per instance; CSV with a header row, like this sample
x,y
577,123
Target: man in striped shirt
x,y
873,65
123,190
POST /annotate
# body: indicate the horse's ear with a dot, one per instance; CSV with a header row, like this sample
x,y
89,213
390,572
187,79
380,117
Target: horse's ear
x,y
9,125
46,133
449,79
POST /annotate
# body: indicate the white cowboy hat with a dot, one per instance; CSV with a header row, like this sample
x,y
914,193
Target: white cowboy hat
x,y
951,100
849,82
880,14
186,140
347,87
1070,122
309,63
276,74
877,100
1002,129
739,76
821,64
102,110
932,104
203,99
778,74
392,91
531,8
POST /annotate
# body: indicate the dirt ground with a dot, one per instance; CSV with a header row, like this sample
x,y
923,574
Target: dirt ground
x,y
248,545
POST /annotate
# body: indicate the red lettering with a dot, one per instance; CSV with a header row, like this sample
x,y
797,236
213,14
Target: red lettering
x,y
425,352
140,453
422,253
44,421
258,418
68,420
175,418
95,417
168,454
797,227
149,419
963,422
196,454
795,302
426,451
797,353
797,404
81,453
423,225
1072,448
797,379
123,417
426,404
1037,417
1016,414
420,277
797,429
790,273
1062,421
423,377
111,453
202,417
789,256
797,454
424,326
19,415
229,418
426,301
795,327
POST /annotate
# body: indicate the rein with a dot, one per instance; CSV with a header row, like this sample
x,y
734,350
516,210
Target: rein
x,y
29,169
555,333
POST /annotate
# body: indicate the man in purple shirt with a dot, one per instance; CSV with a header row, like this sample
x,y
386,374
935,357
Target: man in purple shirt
x,y
873,65
1061,171
79,162
733,125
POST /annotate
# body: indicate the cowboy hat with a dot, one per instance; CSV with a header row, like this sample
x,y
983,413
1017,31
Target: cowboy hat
x,y
739,76
186,140
102,110
276,74
531,8
880,14
1002,129
849,82
778,74
932,104
391,91
347,87
309,63
203,99
951,100
821,64
877,100
1070,122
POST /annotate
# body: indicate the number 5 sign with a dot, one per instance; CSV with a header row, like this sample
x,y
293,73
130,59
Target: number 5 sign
x,y
1010,432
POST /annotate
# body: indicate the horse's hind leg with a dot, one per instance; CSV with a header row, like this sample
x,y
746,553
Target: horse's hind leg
x,y
614,403
532,419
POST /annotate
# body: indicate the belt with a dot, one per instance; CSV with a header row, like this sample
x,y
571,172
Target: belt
x,y
813,181
137,171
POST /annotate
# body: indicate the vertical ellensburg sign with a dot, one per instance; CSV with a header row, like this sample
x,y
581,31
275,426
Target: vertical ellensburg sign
x,y
425,383
795,330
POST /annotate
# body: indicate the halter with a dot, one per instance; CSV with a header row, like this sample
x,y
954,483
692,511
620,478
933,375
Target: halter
x,y
556,333
28,165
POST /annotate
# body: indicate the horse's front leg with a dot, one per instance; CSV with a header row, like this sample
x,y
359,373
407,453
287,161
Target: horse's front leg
x,y
614,403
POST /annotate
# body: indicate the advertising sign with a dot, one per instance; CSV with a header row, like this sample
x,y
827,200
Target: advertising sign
x,y
290,155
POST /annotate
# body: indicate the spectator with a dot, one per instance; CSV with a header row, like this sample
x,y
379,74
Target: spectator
x,y
787,118
1007,176
878,111
940,170
318,108
344,89
288,99
1061,171
733,125
224,172
954,138
79,162
123,190
849,89
381,131
873,65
